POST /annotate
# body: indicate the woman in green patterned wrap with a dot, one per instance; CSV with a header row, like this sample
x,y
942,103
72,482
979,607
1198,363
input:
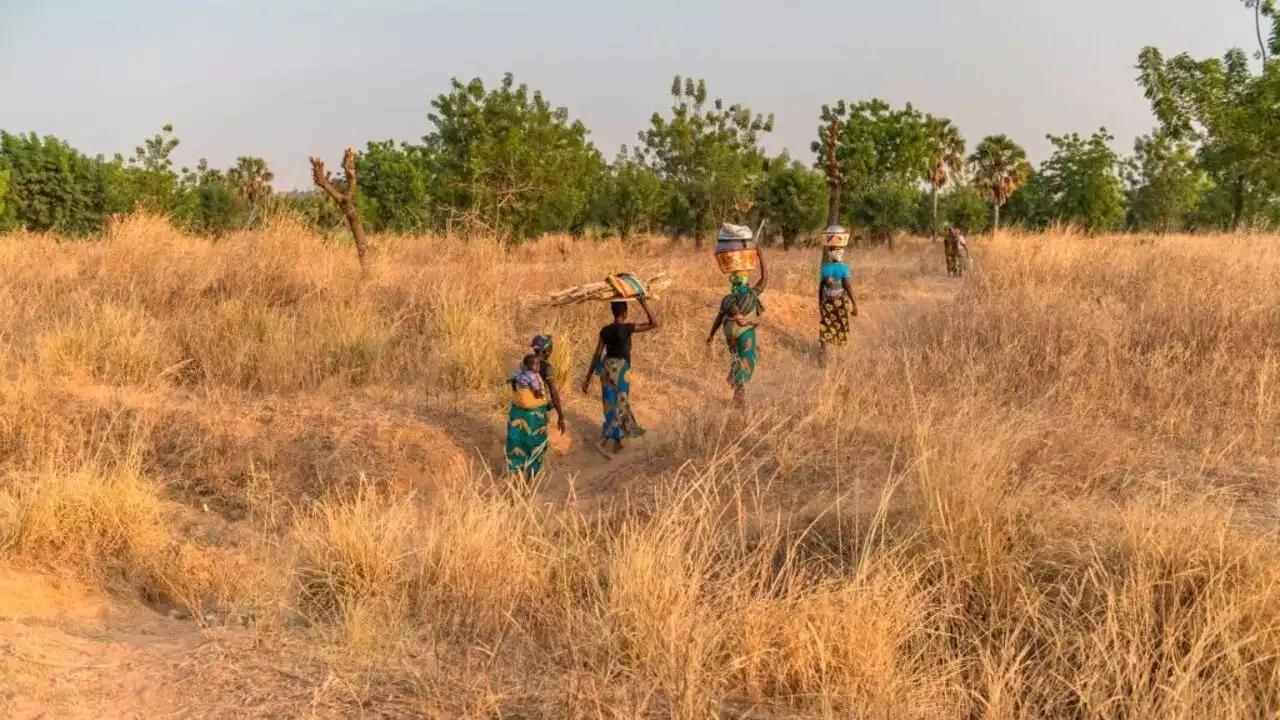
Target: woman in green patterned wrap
x,y
739,314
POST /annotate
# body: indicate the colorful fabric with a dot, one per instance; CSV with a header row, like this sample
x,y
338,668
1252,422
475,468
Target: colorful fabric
x,y
615,396
832,277
526,378
835,320
541,344
626,285
742,364
526,439
742,298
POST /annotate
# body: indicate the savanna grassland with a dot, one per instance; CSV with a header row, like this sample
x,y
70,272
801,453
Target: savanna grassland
x,y
239,481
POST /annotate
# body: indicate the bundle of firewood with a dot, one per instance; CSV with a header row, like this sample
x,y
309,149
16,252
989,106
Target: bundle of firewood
x,y
604,291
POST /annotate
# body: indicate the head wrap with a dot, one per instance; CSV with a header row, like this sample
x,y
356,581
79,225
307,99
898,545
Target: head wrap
x,y
739,283
541,344
835,254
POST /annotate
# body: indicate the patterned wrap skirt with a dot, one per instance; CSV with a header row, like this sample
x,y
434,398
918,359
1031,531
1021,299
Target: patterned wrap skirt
x,y
834,325
526,439
744,352
615,397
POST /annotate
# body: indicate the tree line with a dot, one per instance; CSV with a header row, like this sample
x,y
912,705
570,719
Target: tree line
x,y
505,161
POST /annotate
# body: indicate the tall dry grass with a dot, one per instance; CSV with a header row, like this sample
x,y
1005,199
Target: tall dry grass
x,y
1047,492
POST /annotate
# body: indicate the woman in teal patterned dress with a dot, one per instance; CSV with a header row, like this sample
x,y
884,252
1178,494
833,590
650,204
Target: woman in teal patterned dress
x,y
739,314
527,417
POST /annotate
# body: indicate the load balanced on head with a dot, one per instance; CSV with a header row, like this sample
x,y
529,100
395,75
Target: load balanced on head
x,y
740,310
835,294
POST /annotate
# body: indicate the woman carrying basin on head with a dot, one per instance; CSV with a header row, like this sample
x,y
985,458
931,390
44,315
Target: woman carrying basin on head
x,y
835,293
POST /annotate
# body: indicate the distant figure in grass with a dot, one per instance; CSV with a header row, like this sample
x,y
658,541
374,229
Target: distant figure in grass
x,y
962,252
957,251
612,362
835,300
527,420
739,314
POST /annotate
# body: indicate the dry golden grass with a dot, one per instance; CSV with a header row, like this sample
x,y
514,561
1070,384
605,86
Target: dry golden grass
x,y
1046,491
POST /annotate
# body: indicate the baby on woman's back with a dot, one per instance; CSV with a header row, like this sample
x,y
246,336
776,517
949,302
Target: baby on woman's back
x,y
528,376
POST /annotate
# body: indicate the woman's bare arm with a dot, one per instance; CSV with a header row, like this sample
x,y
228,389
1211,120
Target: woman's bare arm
x,y
649,315
555,403
715,326
764,274
848,290
595,360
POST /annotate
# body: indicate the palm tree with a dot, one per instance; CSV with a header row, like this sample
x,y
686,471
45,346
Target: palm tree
x,y
945,159
999,168
251,180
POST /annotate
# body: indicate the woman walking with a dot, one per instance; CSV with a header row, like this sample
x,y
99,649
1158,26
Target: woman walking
x,y
612,362
738,317
534,393
835,300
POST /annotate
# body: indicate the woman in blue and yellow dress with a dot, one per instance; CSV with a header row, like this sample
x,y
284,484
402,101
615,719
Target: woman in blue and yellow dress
x,y
835,299
612,362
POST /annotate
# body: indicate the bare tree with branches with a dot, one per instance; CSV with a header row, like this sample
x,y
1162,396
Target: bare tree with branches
x,y
346,201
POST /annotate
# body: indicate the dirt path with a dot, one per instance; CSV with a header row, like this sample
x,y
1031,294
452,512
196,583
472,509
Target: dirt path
x,y
790,366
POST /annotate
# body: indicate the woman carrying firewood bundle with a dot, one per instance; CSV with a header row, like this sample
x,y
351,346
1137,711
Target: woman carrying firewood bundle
x,y
612,362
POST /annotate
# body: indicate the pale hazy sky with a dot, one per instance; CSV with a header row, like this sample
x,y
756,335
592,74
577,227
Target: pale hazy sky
x,y
285,79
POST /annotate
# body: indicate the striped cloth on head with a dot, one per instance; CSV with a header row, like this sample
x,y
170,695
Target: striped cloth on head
x,y
627,285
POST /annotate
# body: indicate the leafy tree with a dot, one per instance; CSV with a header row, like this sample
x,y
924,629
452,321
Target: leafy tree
x,y
881,153
507,161
1165,185
152,182
210,203
709,156
1082,181
1265,9
53,186
999,167
394,185
792,198
1228,113
250,179
6,219
965,207
633,197
944,157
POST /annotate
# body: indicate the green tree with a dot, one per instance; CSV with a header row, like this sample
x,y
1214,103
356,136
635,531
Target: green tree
x,y
6,219
792,198
1228,113
1165,185
708,155
944,157
250,179
507,161
53,186
964,207
394,184
633,197
211,204
152,182
1083,183
882,154
999,167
